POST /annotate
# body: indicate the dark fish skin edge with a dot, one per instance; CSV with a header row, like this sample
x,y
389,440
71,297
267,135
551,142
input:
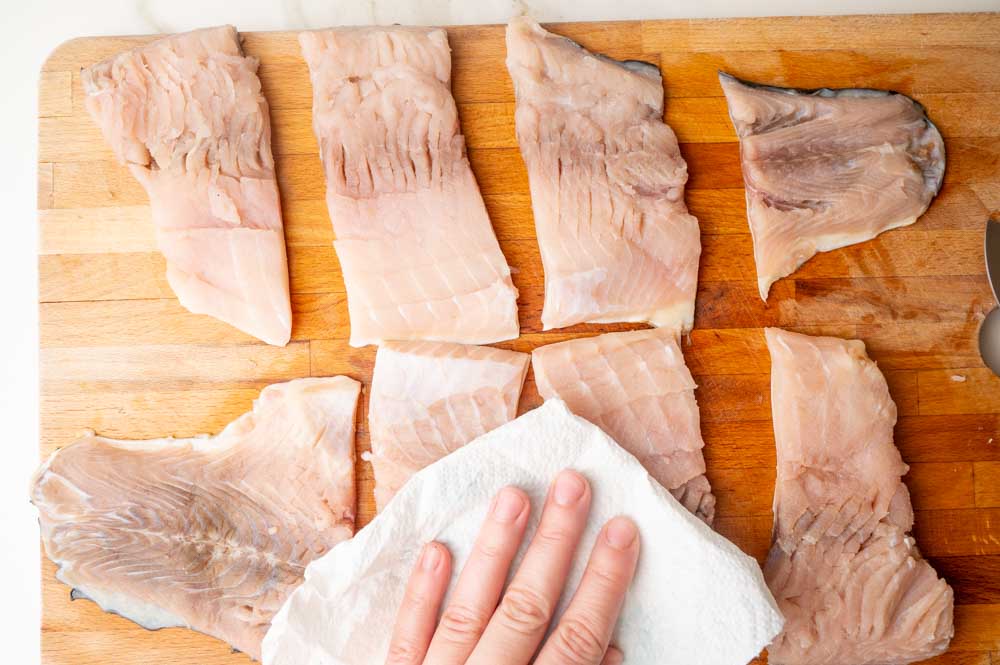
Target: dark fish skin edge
x,y
845,92
635,66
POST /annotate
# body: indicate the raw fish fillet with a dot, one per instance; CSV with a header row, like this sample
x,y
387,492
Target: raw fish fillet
x,y
829,168
207,533
607,184
636,387
418,253
429,399
852,586
186,115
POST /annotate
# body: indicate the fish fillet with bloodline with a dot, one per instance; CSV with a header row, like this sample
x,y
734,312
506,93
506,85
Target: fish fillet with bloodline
x,y
824,168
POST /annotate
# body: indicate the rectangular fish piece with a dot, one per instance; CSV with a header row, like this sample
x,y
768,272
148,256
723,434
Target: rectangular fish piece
x,y
419,256
607,185
429,399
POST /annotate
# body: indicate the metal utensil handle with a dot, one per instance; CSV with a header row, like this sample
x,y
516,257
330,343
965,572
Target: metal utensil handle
x,y
992,250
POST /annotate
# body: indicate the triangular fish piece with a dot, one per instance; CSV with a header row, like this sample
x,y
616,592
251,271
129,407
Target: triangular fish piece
x,y
824,168
429,399
186,115
636,387
607,184
208,533
419,256
846,573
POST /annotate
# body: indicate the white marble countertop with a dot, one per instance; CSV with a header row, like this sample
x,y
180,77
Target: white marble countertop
x,y
31,30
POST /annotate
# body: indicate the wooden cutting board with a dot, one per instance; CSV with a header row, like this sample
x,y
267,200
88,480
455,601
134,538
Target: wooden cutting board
x,y
119,354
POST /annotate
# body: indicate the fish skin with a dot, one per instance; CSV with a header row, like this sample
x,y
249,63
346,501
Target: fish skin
x,y
206,533
607,185
430,398
636,387
419,256
843,568
186,115
813,186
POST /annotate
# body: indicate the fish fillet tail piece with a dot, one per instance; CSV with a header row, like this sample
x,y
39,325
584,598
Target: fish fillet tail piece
x,y
418,253
186,115
843,568
636,387
430,398
208,533
825,169
607,185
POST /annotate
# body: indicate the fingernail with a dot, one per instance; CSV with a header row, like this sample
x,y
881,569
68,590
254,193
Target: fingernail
x,y
431,557
620,533
509,504
569,488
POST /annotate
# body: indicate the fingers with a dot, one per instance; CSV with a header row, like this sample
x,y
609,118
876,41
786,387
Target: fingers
x,y
479,586
583,632
613,657
419,611
524,613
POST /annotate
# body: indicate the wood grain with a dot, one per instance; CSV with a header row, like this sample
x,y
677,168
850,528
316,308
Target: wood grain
x,y
121,356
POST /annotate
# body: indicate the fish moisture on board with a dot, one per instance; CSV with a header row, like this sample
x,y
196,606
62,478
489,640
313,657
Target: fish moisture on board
x,y
843,568
186,115
636,387
419,256
607,185
824,169
430,398
206,533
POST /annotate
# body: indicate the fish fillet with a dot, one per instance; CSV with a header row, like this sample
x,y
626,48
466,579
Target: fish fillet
x,y
852,586
829,168
211,534
607,185
186,115
418,253
430,398
636,387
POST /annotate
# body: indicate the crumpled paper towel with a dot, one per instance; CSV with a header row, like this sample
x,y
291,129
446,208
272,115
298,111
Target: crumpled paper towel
x,y
696,598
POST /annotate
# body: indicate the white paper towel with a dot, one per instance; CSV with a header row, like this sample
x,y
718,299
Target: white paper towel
x,y
696,598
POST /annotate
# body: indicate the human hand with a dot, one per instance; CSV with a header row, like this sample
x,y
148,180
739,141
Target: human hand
x,y
483,624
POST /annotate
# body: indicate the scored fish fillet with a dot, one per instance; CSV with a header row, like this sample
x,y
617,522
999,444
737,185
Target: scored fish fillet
x,y
829,168
430,398
847,576
607,184
208,533
636,387
418,253
186,115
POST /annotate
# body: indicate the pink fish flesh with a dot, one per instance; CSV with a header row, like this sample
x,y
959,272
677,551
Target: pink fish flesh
x,y
186,115
418,253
